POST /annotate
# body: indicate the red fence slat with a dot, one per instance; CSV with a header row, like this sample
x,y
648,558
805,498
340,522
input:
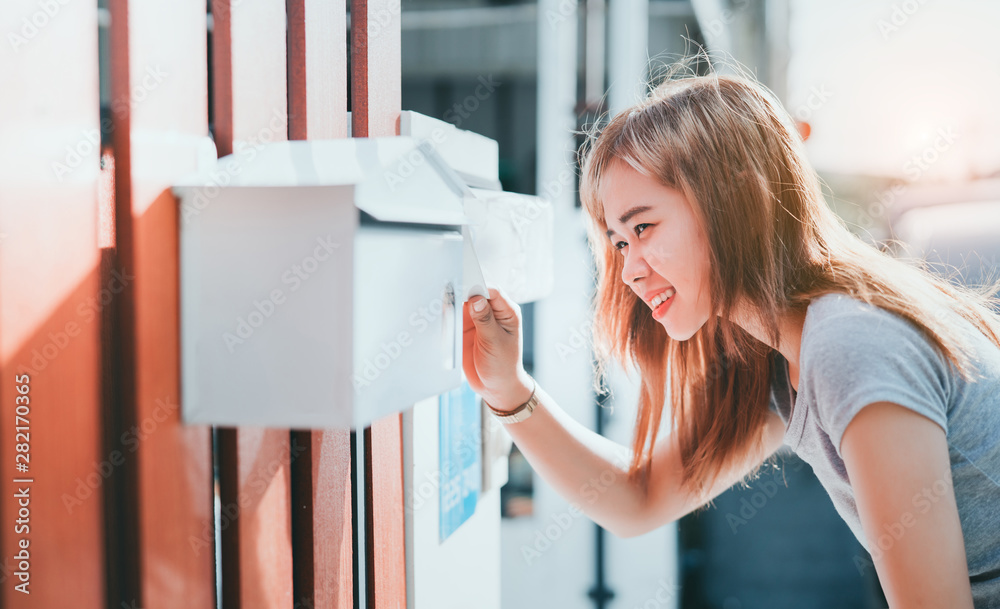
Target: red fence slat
x,y
160,113
317,102
376,90
49,273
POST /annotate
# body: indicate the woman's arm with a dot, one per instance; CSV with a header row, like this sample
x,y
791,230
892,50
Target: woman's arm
x,y
584,467
898,464
589,470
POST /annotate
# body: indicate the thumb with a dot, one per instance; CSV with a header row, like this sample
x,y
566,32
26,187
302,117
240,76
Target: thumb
x,y
482,316
505,311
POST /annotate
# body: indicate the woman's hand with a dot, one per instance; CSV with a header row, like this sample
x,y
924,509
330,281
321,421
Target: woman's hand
x,y
491,351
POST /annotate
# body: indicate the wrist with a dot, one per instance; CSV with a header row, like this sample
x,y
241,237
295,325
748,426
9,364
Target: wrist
x,y
517,393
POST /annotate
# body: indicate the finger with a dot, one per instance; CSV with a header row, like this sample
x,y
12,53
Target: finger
x,y
486,325
506,311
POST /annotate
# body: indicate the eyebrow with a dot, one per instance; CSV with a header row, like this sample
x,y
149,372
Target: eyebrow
x,y
625,217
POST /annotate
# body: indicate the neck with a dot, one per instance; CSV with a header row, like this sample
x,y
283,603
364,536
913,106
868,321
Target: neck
x,y
790,340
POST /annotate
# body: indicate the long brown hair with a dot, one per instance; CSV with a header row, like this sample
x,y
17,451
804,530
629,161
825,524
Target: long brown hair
x,y
728,145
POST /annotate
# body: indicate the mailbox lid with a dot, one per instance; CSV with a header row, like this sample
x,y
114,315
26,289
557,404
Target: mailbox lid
x,y
396,179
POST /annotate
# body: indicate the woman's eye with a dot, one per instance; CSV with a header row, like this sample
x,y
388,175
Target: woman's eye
x,y
641,227
620,244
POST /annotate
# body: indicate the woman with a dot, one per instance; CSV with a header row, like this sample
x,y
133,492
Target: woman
x,y
727,281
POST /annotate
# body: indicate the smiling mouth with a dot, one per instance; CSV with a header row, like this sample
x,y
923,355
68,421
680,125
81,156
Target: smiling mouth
x,y
661,302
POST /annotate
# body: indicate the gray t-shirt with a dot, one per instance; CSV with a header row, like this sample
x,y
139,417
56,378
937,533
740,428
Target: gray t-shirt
x,y
853,354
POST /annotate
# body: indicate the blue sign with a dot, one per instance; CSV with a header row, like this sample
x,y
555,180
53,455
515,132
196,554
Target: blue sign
x,y
460,433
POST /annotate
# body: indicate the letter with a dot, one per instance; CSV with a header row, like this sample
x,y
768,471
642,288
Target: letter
x,y
393,180
197,544
519,222
404,338
553,532
231,511
734,521
563,520
895,529
70,502
885,28
590,493
129,439
156,415
575,510
85,312
564,351
860,563
770,488
123,276
327,244
474,103
259,485
529,554
949,136
60,170
116,457
392,349
16,42
277,296
748,511
310,264
83,489
38,362
60,339
489,83
105,468
416,320
553,18
884,542
291,279
156,73
907,519
266,307
910,171
577,339
898,17
22,588
243,330
72,329
231,341
23,555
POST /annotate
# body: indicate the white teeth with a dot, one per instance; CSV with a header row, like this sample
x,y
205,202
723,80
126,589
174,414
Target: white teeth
x,y
658,300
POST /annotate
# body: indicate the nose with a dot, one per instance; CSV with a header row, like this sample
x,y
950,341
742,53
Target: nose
x,y
635,268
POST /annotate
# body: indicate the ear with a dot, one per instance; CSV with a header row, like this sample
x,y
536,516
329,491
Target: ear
x,y
804,129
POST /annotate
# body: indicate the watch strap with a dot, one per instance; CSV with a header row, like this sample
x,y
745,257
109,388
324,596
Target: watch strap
x,y
520,413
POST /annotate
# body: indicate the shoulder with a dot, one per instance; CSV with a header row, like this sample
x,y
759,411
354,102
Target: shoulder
x,y
838,325
854,354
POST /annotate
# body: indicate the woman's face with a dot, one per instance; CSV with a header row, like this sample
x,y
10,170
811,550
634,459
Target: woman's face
x,y
664,248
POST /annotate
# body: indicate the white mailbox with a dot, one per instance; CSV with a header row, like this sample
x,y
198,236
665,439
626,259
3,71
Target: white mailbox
x,y
319,284
321,281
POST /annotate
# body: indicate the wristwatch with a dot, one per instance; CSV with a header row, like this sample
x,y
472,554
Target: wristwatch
x,y
520,413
